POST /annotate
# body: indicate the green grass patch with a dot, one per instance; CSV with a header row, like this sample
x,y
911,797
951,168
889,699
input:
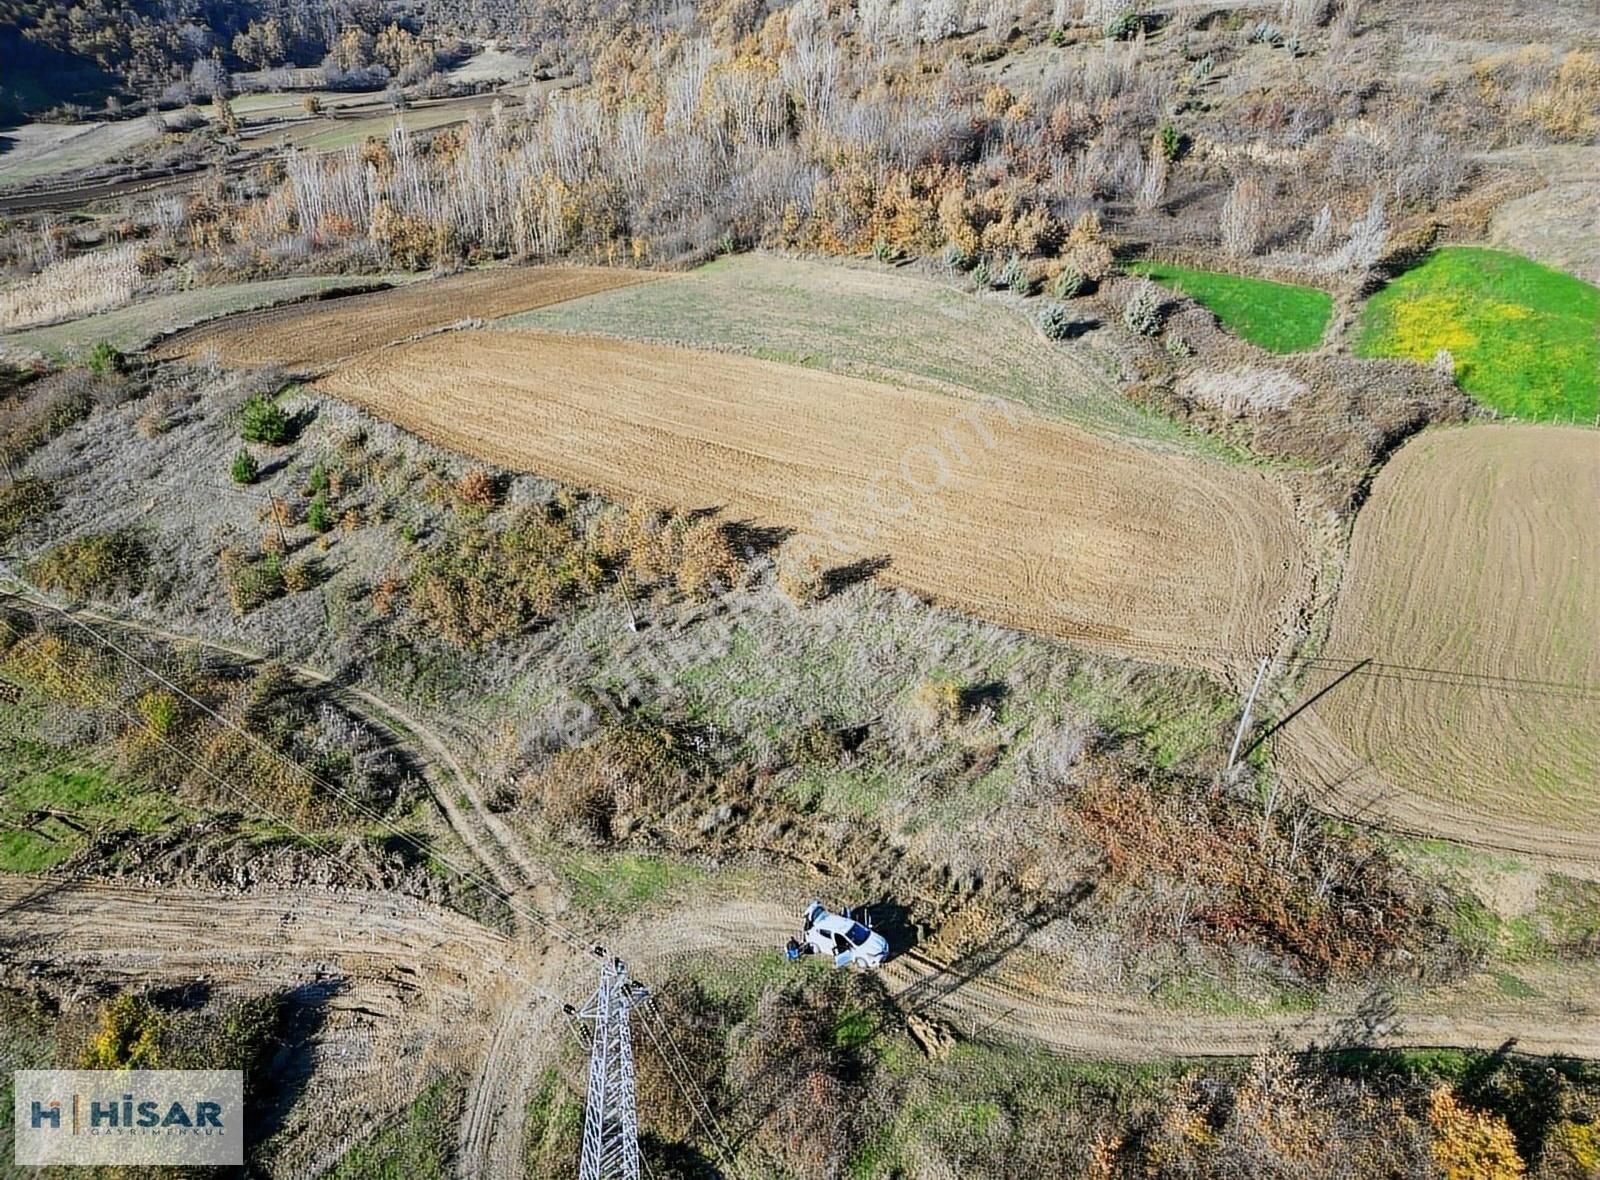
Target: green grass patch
x,y
1280,317
1191,991
420,1143
1525,337
623,884
51,809
854,1029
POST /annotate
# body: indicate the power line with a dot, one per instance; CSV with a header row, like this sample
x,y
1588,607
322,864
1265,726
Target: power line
x,y
221,781
535,916
467,875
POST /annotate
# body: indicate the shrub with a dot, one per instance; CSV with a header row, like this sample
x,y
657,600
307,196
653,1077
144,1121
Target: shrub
x,y
31,427
630,764
955,258
656,547
160,711
319,515
1469,1144
127,1036
98,566
105,360
482,585
799,573
263,421
1142,314
1070,281
23,502
1056,322
1122,24
300,576
706,562
251,580
479,490
937,701
317,481
1013,276
1170,140
980,273
245,469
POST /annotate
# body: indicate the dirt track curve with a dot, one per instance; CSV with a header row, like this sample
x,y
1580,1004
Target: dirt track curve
x,y
458,996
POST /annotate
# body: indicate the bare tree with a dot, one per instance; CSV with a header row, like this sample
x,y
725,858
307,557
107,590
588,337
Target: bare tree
x,y
1243,214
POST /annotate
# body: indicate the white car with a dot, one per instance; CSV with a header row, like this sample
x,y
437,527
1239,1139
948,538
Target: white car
x,y
847,942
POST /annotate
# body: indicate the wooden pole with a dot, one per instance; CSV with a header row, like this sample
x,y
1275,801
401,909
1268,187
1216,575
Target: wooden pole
x,y
1244,720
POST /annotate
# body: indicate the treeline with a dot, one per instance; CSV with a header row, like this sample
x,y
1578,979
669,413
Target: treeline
x,y
109,54
795,136
877,127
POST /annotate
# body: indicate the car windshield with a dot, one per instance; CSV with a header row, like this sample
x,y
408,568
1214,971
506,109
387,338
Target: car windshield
x,y
859,933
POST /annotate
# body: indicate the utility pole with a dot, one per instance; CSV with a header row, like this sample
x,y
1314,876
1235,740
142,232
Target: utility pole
x,y
610,1114
1244,720
276,515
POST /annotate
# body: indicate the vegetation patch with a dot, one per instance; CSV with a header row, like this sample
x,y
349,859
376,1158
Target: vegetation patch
x,y
418,1144
104,565
23,502
1280,317
53,807
1521,337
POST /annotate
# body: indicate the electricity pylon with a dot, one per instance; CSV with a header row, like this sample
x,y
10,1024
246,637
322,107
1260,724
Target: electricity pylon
x,y
610,1114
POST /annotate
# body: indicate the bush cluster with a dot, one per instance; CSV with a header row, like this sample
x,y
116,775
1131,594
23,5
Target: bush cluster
x,y
23,502
262,420
104,565
252,580
480,585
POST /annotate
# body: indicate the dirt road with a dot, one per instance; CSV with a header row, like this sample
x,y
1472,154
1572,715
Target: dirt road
x,y
414,991
985,997
393,989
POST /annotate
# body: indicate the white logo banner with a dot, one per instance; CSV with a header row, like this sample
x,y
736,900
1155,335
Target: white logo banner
x,y
139,1116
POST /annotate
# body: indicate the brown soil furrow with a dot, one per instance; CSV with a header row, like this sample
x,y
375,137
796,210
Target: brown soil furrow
x,y
1028,521
1474,585
310,337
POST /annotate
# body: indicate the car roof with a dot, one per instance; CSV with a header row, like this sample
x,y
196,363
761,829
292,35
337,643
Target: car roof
x,y
833,923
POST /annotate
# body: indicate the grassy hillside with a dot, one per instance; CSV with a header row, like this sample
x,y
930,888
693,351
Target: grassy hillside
x,y
1280,317
1525,338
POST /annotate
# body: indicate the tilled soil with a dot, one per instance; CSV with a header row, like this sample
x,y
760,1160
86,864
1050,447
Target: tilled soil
x,y
982,505
1472,588
309,337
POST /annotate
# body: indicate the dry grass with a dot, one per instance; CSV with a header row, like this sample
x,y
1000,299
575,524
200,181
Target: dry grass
x,y
315,336
73,287
1027,522
1472,583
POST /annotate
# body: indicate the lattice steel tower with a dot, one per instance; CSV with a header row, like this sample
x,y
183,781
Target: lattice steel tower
x,y
610,1115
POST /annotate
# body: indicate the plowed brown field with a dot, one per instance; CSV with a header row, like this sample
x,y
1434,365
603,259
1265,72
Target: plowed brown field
x,y
990,508
1474,587
310,337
